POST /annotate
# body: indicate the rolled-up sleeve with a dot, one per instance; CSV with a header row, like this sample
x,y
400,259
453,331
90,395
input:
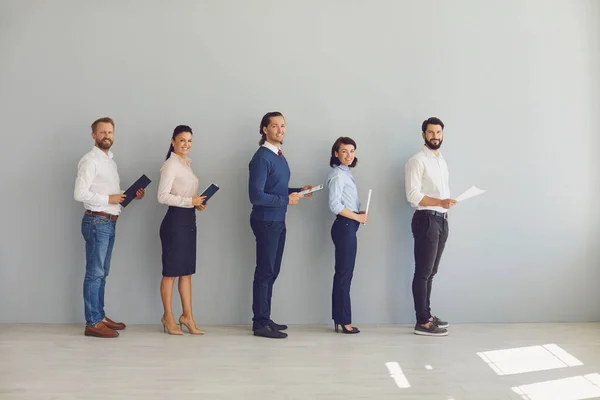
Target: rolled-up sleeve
x,y
86,172
413,174
335,184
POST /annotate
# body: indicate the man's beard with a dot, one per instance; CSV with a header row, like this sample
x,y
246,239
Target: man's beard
x,y
433,146
104,144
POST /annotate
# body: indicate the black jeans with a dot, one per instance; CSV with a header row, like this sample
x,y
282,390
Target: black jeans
x,y
430,233
270,242
343,233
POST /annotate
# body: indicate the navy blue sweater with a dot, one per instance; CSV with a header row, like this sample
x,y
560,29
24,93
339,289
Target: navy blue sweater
x,y
268,185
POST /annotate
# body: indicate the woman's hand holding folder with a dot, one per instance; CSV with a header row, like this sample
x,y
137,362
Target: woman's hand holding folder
x,y
197,202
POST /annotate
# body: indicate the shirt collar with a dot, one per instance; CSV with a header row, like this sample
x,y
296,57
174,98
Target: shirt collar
x,y
101,152
346,170
183,160
429,153
271,147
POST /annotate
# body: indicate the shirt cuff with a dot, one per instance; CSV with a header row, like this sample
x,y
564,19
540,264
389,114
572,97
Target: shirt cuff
x,y
338,209
418,198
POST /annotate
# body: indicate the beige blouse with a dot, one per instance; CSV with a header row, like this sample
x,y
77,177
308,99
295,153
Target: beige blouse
x,y
177,182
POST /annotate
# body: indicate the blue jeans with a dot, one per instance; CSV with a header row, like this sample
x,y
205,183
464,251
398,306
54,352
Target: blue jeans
x,y
99,235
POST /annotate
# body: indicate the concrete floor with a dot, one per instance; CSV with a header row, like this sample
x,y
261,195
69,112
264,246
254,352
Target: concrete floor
x,y
58,362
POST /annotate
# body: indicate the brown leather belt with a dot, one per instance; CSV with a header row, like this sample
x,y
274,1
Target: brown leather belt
x,y
102,214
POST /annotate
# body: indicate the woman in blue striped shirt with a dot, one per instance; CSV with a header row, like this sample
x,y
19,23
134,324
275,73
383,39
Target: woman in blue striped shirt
x,y
344,202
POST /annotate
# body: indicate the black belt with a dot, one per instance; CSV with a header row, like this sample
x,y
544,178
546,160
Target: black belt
x,y
434,213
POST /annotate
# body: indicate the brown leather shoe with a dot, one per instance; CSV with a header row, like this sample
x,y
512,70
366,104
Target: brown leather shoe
x,y
117,326
100,330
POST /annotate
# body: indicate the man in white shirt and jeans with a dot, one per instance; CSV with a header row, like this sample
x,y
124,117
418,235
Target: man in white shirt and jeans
x,y
97,186
428,191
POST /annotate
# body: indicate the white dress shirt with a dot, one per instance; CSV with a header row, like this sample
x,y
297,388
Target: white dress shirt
x,y
177,182
426,175
271,147
97,178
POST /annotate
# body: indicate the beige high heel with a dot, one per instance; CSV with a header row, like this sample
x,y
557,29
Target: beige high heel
x,y
194,331
170,332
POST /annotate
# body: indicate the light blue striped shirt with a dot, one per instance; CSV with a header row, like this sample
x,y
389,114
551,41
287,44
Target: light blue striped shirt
x,y
342,190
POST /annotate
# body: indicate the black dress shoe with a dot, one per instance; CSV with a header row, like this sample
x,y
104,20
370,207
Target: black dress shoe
x,y
268,332
277,326
344,330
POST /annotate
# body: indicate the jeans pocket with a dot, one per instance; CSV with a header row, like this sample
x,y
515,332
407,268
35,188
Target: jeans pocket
x,y
86,228
341,222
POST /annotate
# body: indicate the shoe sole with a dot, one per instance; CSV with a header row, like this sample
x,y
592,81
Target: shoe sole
x,y
100,336
430,334
271,337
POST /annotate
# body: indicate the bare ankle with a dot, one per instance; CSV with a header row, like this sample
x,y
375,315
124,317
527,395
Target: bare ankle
x,y
169,316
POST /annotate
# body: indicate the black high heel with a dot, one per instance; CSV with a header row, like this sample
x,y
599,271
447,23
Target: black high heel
x,y
344,330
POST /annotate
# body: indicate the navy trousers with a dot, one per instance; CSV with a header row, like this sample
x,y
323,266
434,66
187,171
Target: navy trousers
x,y
270,241
343,233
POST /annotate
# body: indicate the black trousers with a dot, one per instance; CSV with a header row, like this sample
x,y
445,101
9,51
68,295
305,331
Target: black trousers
x,y
430,233
270,242
343,233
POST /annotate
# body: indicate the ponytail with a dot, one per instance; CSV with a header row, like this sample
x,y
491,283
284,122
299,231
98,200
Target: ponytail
x,y
171,149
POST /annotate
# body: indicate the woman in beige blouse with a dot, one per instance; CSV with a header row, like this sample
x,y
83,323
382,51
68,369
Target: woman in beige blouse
x,y
178,189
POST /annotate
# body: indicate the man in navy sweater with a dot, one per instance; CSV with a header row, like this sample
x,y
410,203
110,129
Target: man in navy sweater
x,y
270,196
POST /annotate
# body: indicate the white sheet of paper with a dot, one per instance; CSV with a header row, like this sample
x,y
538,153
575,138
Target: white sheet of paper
x,y
368,202
314,189
470,192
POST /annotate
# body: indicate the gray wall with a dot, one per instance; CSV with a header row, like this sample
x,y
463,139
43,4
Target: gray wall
x,y
516,82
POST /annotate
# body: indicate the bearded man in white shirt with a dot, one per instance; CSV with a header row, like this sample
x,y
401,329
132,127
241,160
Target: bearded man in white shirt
x,y
428,191
98,187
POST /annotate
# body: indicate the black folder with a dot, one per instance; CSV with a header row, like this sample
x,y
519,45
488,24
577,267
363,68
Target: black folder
x,y
141,183
209,192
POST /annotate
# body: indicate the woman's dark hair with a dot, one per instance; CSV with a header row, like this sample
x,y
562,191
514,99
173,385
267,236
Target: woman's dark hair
x,y
264,122
178,129
431,121
334,161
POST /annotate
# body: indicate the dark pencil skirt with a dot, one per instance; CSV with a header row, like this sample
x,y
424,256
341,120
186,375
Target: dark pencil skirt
x,y
178,239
